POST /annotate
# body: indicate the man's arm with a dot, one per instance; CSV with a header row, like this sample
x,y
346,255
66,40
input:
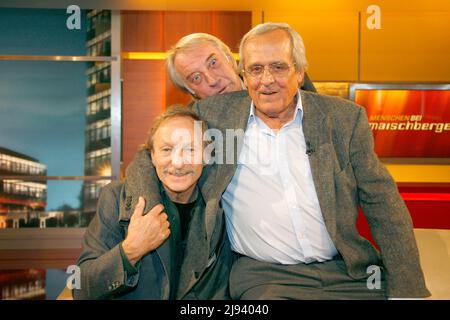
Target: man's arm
x,y
102,271
141,181
387,215
109,265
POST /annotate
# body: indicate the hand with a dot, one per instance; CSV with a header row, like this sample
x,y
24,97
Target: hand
x,y
145,232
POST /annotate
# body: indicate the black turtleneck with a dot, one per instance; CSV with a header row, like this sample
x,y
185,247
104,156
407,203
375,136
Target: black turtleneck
x,y
185,213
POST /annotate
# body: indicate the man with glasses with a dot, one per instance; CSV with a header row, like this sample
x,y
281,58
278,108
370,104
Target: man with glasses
x,y
291,198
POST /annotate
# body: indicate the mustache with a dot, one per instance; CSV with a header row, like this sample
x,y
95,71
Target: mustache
x,y
178,172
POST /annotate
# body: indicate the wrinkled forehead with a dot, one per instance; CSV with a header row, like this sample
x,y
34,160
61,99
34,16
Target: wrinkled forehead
x,y
177,130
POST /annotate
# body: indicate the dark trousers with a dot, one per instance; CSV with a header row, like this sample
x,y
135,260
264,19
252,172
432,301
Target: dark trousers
x,y
255,280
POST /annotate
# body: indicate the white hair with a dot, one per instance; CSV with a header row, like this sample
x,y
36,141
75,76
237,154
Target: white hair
x,y
297,46
188,44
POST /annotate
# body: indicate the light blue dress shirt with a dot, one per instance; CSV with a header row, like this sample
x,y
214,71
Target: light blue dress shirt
x,y
271,206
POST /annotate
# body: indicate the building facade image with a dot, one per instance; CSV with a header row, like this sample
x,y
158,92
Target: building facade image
x,y
98,113
22,202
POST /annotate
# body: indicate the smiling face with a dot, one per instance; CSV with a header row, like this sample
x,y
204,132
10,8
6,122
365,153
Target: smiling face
x,y
176,155
273,95
207,71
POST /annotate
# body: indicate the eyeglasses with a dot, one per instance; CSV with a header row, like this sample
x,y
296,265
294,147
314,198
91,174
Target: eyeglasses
x,y
276,69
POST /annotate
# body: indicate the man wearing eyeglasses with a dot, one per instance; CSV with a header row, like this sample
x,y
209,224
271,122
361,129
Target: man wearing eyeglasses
x,y
290,197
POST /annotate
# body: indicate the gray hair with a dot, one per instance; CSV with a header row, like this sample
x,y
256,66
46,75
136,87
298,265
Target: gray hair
x,y
297,46
188,44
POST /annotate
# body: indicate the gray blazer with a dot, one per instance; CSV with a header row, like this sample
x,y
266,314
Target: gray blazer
x,y
207,262
346,174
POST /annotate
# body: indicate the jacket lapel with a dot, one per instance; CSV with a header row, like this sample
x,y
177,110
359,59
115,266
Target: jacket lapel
x,y
234,118
165,254
196,252
321,159
141,180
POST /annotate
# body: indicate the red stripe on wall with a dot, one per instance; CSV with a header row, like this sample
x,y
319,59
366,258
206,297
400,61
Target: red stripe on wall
x,y
425,196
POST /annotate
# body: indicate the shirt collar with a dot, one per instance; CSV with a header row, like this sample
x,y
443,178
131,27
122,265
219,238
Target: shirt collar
x,y
298,111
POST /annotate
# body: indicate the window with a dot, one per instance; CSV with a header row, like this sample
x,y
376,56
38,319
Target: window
x,y
62,127
99,102
98,130
55,139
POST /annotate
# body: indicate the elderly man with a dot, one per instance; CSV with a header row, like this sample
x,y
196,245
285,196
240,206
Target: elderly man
x,y
304,165
156,254
202,66
292,225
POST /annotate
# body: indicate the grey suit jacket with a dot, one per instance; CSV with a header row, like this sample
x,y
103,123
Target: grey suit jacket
x,y
347,174
206,266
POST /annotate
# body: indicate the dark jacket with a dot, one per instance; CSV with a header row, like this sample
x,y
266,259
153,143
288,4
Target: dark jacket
x,y
204,272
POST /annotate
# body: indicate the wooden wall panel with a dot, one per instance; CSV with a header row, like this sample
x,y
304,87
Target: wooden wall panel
x,y
230,27
175,95
142,31
143,99
157,31
178,24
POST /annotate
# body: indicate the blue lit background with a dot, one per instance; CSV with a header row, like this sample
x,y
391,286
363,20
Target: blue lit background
x,y
43,104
